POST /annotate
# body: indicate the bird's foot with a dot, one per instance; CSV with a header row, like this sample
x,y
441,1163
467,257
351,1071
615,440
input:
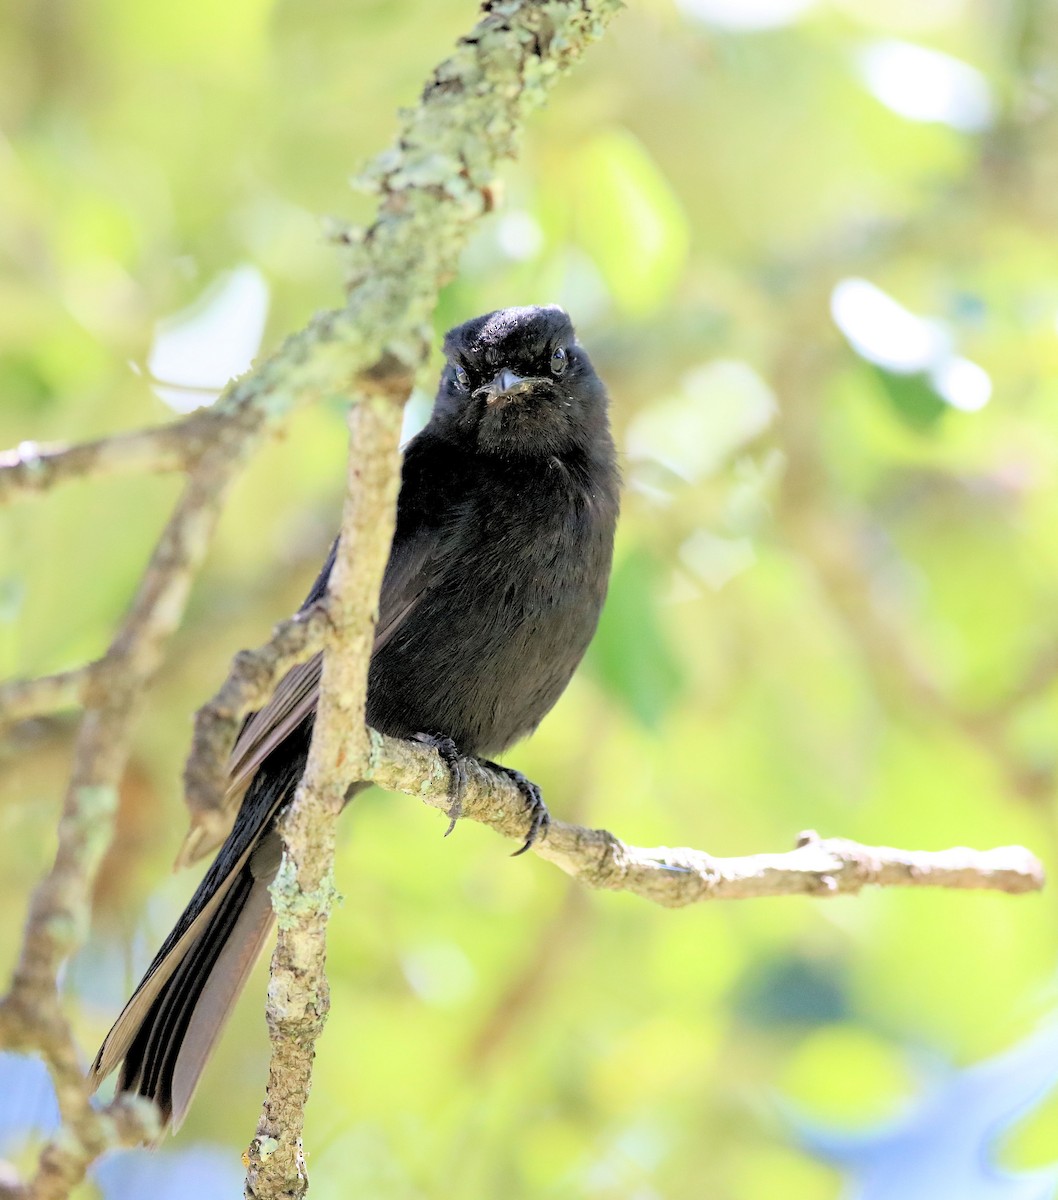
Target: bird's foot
x,y
457,772
539,817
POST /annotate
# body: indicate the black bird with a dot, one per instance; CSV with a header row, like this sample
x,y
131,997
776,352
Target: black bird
x,y
497,574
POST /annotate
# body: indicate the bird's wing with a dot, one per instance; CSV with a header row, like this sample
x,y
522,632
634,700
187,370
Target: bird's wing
x,y
411,571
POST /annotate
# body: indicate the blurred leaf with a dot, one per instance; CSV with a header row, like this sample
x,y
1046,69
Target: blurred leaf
x,y
913,398
195,352
846,1075
629,220
720,406
22,384
774,1170
630,654
789,990
1032,1143
926,85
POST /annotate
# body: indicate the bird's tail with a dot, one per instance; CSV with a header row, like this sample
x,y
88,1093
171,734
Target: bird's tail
x,y
165,1033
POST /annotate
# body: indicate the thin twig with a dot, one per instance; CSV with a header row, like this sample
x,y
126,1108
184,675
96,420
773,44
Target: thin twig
x,y
24,698
677,876
31,468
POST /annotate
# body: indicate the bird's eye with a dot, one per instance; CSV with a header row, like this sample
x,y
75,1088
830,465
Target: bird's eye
x,y
559,361
462,379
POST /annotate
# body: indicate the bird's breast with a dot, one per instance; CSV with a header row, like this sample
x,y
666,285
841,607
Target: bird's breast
x,y
492,644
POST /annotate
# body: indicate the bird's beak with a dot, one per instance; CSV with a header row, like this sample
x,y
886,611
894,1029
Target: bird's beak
x,y
506,386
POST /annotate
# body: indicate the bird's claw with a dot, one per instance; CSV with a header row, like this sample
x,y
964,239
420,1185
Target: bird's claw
x,y
539,817
457,772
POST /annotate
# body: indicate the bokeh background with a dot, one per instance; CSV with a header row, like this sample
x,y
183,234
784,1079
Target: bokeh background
x,y
811,247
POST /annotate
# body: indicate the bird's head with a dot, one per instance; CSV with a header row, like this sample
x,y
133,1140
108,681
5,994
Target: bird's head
x,y
517,384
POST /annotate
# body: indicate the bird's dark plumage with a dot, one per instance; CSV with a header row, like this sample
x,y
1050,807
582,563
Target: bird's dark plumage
x,y
495,581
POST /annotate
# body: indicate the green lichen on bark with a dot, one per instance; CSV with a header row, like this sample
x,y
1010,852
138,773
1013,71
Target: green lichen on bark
x,y
433,183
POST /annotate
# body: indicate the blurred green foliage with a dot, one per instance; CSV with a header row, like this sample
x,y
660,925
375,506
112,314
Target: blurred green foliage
x,y
834,598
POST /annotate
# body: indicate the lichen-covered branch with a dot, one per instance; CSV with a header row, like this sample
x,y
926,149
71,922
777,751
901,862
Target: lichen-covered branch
x,y
677,876
303,890
31,468
24,698
252,678
31,1015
